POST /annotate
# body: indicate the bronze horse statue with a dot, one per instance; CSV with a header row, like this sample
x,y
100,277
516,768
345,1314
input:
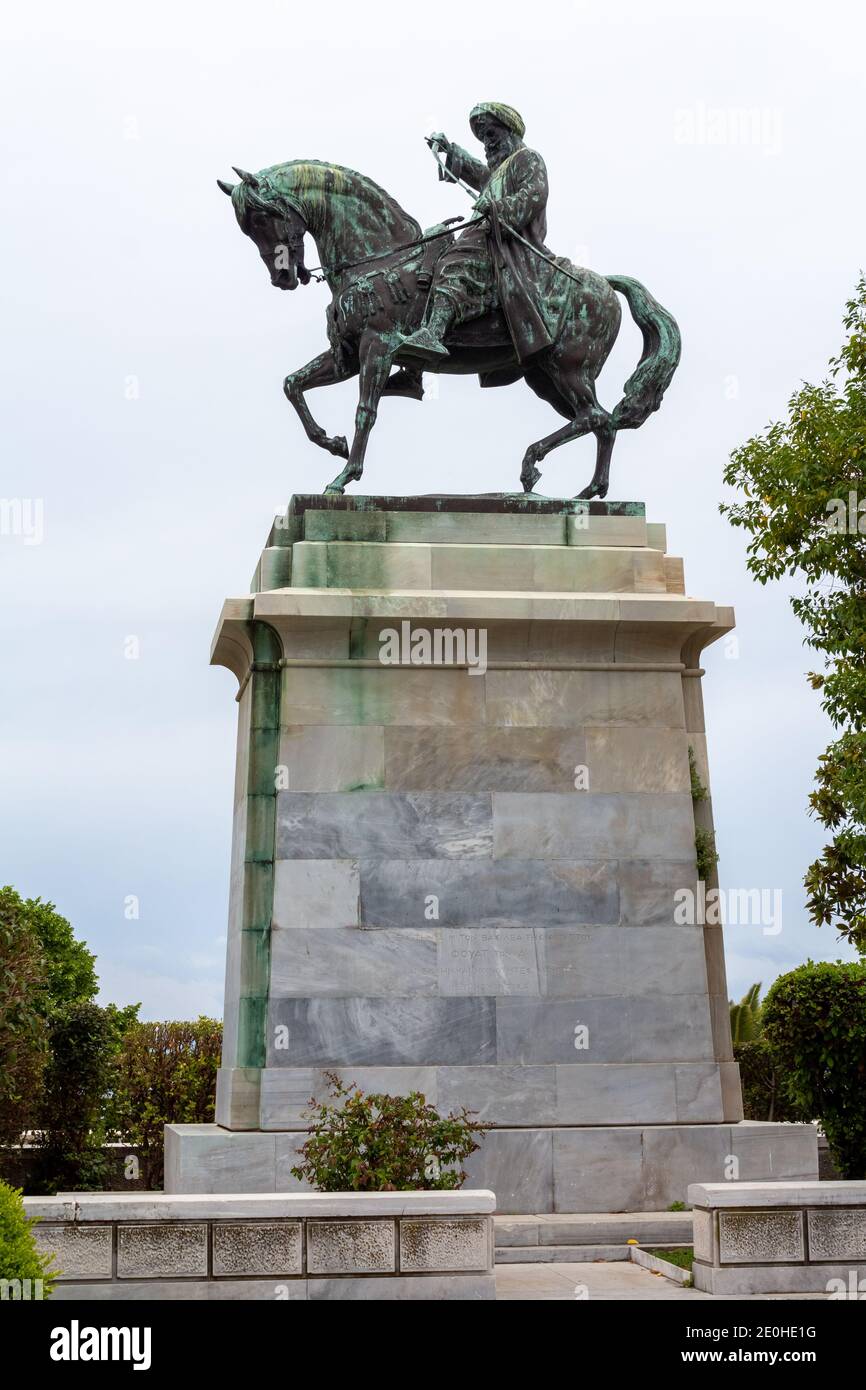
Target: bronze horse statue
x,y
378,266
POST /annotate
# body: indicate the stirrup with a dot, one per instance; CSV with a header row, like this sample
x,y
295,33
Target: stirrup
x,y
421,345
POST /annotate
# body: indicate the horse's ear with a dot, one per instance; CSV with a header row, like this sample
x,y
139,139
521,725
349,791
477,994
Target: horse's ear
x,y
228,188
249,179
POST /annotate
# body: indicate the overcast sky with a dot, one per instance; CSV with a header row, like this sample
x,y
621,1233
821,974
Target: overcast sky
x,y
144,351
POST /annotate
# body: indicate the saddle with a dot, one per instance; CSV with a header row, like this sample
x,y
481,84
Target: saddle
x,y
488,331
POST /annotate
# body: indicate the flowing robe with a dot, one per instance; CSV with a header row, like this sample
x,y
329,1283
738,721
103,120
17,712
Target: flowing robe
x,y
486,267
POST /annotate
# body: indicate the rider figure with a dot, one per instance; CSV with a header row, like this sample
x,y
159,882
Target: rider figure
x,y
486,266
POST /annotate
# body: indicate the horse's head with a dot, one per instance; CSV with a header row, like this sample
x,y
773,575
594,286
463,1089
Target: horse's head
x,y
277,228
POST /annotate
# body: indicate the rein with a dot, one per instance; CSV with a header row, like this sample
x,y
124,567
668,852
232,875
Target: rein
x,y
393,251
320,272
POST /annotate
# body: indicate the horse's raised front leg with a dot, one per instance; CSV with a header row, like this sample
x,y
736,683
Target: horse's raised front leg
x,y
376,357
322,371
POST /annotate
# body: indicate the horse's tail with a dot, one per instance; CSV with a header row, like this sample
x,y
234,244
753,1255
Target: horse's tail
x,y
661,354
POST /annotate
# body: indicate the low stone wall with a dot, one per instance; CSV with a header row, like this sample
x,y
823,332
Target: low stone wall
x,y
382,1245
805,1237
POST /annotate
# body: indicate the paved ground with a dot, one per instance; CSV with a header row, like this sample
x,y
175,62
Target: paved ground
x,y
617,1279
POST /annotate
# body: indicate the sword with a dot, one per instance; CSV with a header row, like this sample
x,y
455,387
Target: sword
x,y
445,174
497,227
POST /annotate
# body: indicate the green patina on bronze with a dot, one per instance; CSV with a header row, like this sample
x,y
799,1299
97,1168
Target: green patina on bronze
x,y
493,301
259,847
487,502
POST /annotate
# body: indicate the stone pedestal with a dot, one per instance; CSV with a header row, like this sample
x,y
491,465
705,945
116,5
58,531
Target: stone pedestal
x,y
463,810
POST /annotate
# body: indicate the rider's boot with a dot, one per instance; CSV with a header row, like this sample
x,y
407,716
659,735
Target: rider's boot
x,y
427,341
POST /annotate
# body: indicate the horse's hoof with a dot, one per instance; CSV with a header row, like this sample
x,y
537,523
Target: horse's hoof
x,y
529,474
338,446
333,490
593,490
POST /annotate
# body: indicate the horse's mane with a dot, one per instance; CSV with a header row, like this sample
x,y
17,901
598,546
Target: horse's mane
x,y
305,184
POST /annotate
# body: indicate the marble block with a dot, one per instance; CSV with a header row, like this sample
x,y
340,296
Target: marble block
x,y
443,1245
350,1247
79,1254
760,1237
257,1247
158,1250
382,1032
837,1235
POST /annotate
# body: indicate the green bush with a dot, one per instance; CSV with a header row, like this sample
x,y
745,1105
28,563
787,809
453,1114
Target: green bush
x,y
23,1030
19,1256
164,1073
380,1143
815,1025
765,1095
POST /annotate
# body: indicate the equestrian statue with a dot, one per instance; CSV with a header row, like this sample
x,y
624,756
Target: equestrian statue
x,y
491,299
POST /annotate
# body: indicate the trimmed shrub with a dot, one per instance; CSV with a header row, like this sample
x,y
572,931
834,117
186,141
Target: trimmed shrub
x,y
164,1073
815,1024
381,1143
19,1257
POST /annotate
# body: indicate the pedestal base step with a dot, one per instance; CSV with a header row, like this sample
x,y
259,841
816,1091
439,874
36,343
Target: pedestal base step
x,y
569,1254
600,1169
585,1236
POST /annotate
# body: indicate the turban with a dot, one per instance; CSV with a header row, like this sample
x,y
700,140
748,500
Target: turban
x,y
505,115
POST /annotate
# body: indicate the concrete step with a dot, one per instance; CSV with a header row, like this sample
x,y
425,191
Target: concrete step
x,y
558,1254
569,1254
596,1234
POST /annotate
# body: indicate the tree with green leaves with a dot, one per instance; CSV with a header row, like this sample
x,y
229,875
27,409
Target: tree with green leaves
x,y
746,1016
79,1081
23,1027
70,976
57,1046
803,484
